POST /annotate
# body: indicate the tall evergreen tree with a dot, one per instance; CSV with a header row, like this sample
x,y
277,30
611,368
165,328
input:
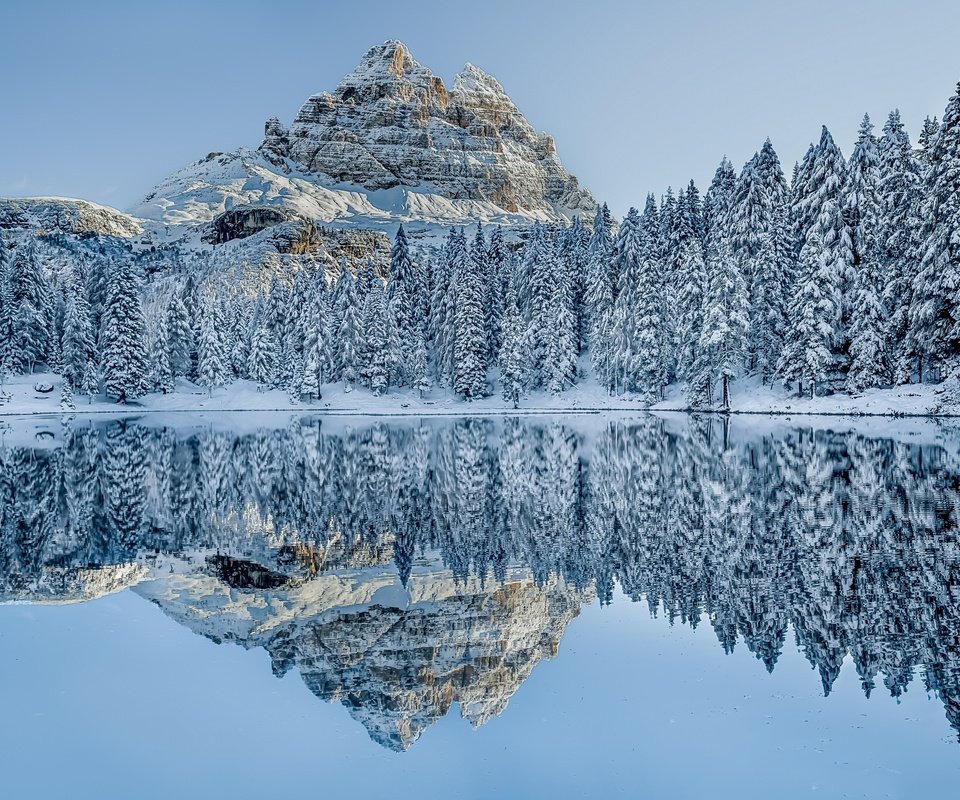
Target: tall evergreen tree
x,y
898,198
807,353
31,298
376,359
470,345
211,347
123,342
723,339
935,310
512,348
78,346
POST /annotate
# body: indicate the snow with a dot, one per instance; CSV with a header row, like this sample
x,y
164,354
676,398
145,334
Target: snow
x,y
199,192
748,396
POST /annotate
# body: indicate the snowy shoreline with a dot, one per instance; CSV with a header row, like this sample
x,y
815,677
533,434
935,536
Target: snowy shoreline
x,y
749,398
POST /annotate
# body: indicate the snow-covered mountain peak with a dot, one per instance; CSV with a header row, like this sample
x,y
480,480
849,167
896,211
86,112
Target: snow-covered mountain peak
x,y
390,144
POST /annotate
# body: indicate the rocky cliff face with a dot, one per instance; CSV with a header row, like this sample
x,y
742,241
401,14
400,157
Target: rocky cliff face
x,y
392,122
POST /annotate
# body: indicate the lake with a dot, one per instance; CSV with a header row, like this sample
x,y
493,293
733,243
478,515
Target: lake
x,y
676,607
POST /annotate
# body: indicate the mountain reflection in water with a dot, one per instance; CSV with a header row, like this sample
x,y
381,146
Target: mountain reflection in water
x,y
401,568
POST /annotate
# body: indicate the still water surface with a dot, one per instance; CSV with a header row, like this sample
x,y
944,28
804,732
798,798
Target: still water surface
x,y
476,608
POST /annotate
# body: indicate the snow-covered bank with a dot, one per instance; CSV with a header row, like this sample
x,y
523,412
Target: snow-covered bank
x,y
748,397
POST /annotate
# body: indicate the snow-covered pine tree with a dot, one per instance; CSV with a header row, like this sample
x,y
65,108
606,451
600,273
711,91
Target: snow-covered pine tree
x,y
262,361
443,305
32,298
833,234
497,258
123,343
860,213
597,293
691,279
935,310
238,343
535,291
180,342
726,320
757,210
898,197
78,346
513,347
421,372
470,345
869,366
638,324
479,263
716,202
807,351
349,332
8,351
802,215
160,371
66,396
376,361
403,292
561,367
774,279
295,385
90,386
317,355
575,244
211,347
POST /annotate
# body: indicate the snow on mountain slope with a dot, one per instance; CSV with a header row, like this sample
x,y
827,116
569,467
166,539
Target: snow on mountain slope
x,y
221,182
390,145
65,215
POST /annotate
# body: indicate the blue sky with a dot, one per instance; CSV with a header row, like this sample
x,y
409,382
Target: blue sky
x,y
103,99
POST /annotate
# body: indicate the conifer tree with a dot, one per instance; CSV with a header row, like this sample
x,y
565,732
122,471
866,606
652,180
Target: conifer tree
x,y
421,374
123,336
898,198
723,339
262,364
807,356
637,325
180,342
161,372
31,302
470,345
349,332
376,364
78,345
497,258
512,348
211,367
597,294
935,308
91,381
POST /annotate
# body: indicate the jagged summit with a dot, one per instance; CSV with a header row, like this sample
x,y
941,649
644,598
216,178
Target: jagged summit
x,y
392,122
390,144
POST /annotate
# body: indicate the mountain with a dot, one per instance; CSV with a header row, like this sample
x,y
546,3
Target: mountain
x,y
390,144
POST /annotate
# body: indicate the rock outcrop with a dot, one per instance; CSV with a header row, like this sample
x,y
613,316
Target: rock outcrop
x,y
45,215
392,122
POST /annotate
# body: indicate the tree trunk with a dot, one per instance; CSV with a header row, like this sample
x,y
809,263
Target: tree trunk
x,y
726,392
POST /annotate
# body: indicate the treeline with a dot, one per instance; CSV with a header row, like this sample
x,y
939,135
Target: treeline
x,y
843,278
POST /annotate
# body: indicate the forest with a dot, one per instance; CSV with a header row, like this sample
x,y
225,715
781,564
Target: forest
x,y
842,278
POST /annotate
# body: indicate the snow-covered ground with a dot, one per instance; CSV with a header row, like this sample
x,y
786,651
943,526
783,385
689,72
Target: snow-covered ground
x,y
749,397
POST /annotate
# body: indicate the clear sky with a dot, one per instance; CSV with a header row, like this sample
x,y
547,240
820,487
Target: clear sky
x,y
103,99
